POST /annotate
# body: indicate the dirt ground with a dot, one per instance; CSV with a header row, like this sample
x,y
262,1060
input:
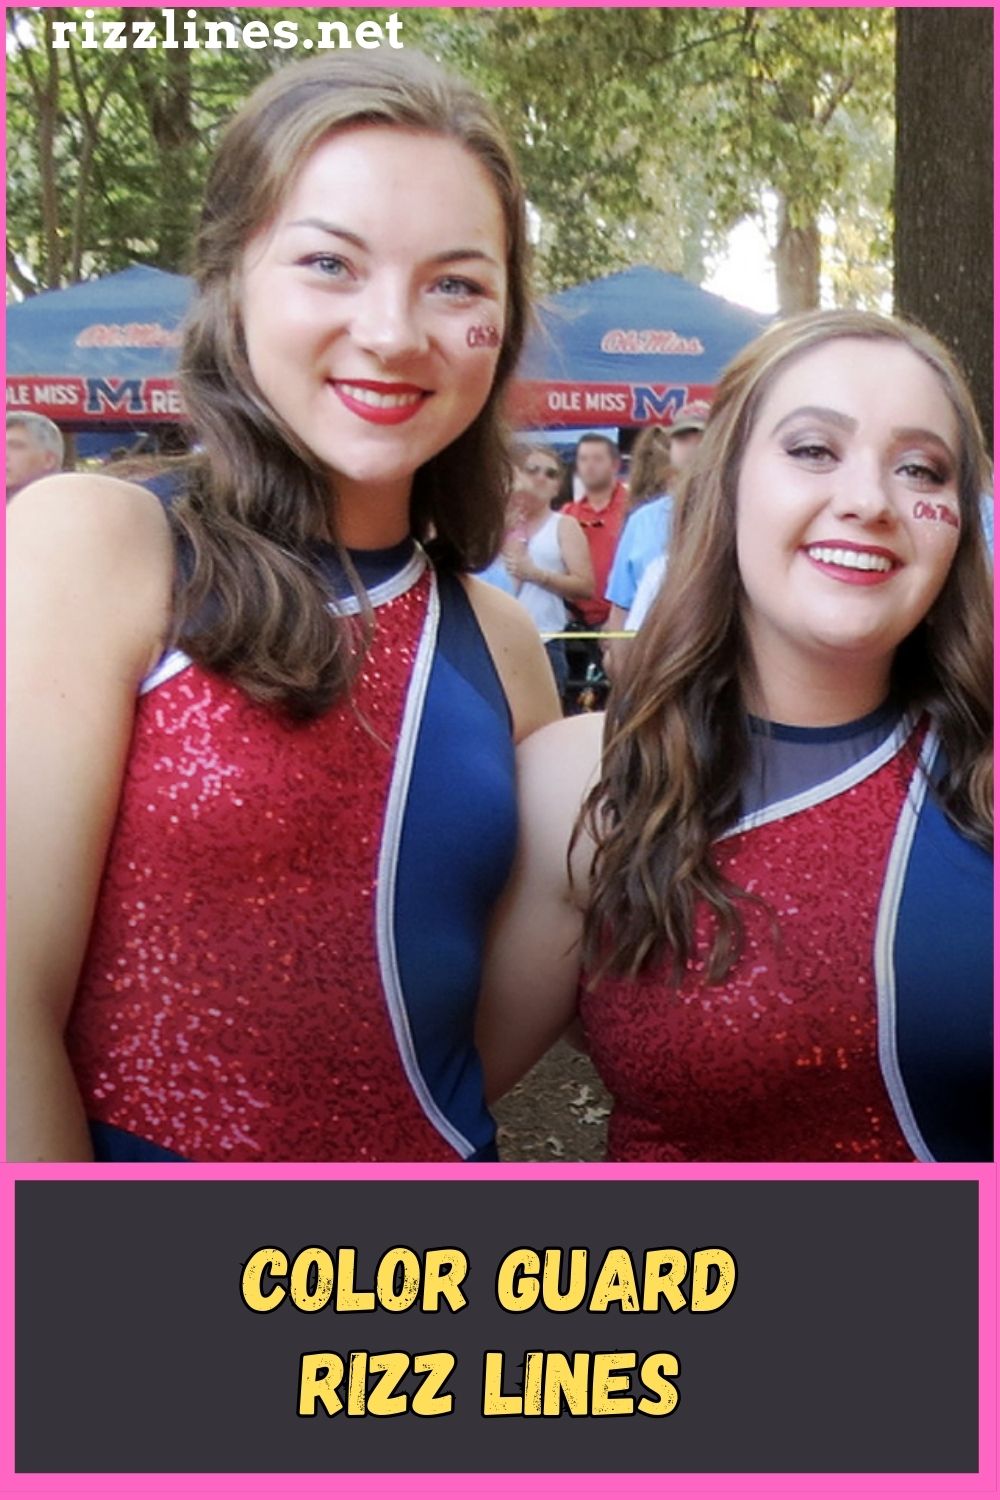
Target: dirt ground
x,y
558,1113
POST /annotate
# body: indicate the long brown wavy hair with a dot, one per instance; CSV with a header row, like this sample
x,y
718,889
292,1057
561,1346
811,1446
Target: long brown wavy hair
x,y
251,602
676,740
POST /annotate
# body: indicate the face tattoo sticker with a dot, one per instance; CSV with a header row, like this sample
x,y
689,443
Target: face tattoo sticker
x,y
483,336
923,510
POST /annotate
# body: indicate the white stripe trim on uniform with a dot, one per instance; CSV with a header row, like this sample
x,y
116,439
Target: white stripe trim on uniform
x,y
167,667
824,790
388,865
885,942
175,661
392,588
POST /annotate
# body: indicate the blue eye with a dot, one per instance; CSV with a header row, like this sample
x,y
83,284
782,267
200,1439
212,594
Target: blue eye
x,y
458,286
332,266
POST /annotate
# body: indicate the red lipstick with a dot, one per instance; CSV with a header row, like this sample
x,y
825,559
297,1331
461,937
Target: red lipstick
x,y
400,400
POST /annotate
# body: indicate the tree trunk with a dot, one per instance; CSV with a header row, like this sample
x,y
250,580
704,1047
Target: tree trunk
x,y
176,141
796,262
944,185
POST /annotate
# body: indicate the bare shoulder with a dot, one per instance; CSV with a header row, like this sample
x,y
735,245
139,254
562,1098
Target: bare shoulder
x,y
518,655
570,525
88,508
91,553
566,755
499,614
557,767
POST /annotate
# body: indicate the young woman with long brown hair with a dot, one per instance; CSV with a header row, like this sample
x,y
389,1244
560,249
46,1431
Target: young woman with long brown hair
x,y
772,860
261,768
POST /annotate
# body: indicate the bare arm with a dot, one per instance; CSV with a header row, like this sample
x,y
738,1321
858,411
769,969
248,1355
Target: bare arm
x,y
518,655
533,955
89,567
578,580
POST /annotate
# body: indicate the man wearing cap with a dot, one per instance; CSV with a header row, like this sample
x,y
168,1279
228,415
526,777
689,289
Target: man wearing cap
x,y
34,448
647,529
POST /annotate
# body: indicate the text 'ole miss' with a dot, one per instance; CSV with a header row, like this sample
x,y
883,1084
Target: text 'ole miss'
x,y
629,403
76,398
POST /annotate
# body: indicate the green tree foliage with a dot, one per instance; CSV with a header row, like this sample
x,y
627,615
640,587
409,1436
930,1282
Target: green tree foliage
x,y
659,127
644,134
107,150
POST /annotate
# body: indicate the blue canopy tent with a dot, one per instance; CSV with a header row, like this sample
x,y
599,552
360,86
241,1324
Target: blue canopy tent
x,y
99,354
627,350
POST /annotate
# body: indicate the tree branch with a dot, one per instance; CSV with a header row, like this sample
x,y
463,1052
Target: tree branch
x,y
840,93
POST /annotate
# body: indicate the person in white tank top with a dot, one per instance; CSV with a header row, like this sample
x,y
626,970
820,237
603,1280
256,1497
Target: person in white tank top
x,y
546,554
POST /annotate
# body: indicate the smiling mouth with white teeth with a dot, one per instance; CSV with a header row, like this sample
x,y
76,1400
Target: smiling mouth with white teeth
x,y
384,399
381,403
848,557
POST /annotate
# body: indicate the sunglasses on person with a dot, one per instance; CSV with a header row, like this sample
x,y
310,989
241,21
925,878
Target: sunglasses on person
x,y
547,470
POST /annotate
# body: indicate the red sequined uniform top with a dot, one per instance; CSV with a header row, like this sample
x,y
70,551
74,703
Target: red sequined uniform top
x,y
233,1000
779,1061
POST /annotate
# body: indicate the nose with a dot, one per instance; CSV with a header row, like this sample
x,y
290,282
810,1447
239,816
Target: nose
x,y
387,323
862,493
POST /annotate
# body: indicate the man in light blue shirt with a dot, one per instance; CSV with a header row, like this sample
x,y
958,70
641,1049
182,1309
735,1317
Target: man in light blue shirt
x,y
643,537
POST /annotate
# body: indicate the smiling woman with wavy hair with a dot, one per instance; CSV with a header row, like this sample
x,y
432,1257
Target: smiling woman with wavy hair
x,y
792,784
261,757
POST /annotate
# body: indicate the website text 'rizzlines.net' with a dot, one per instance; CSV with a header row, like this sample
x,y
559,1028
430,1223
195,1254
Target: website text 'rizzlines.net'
x,y
191,31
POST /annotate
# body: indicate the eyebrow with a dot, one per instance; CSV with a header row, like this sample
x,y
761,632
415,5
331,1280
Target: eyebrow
x,y
824,413
923,435
463,252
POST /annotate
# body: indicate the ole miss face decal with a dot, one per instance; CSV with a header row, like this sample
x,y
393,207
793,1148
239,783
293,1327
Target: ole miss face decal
x,y
483,336
925,510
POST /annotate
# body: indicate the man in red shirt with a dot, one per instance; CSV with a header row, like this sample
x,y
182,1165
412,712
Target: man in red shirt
x,y
601,513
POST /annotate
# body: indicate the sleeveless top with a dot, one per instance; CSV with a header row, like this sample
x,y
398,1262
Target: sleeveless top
x,y
547,609
285,953
856,1024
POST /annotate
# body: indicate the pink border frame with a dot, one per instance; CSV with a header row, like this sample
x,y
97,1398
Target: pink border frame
x,y
495,1486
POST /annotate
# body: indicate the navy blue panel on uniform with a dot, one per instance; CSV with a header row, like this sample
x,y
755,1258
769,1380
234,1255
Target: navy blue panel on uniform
x,y
373,565
112,1144
457,846
944,989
